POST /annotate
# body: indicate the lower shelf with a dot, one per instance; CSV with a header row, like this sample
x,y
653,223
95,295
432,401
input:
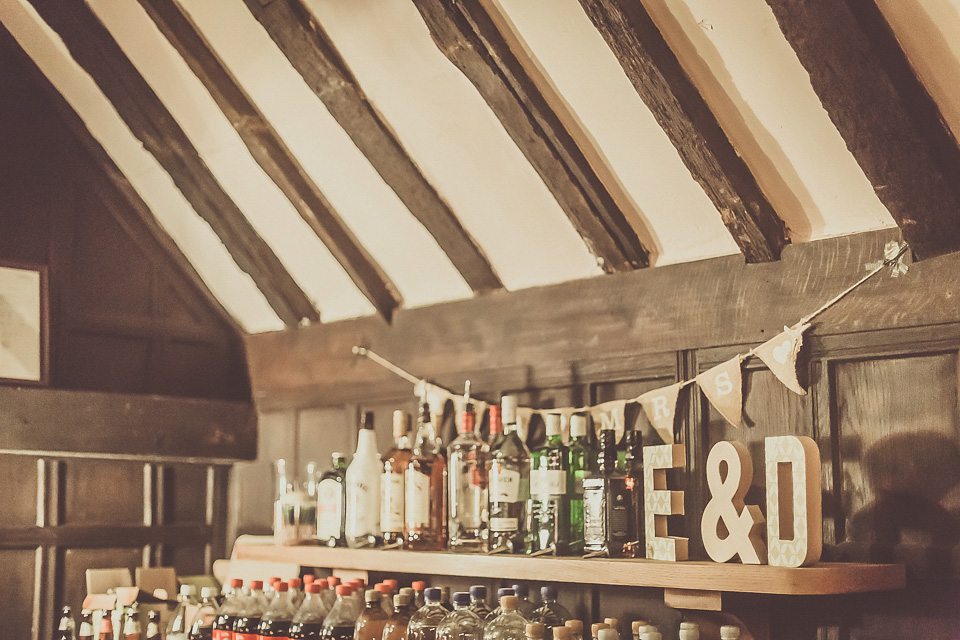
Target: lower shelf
x,y
827,578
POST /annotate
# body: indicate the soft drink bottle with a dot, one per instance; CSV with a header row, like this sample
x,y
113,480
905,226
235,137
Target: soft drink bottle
x,y
248,620
396,627
86,625
66,627
180,623
339,623
106,625
131,629
275,621
202,627
231,608
153,626
371,622
307,624
423,624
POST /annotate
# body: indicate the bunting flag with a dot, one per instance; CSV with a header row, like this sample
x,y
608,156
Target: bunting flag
x,y
609,415
523,421
780,355
660,407
723,387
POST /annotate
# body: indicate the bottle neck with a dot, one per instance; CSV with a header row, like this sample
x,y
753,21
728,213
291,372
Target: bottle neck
x,y
366,443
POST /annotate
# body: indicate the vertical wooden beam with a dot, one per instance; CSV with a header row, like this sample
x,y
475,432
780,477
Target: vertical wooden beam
x,y
273,155
95,50
470,39
312,53
858,93
683,115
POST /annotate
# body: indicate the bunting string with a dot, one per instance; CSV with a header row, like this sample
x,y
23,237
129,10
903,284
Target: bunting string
x,y
722,384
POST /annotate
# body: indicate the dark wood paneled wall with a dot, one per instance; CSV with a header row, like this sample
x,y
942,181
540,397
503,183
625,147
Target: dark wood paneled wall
x,y
883,370
99,469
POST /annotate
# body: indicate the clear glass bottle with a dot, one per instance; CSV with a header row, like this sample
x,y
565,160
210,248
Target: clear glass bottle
x,y
478,601
424,622
607,504
396,627
373,619
509,487
425,479
582,461
689,631
633,467
509,625
332,503
231,607
504,591
66,626
576,629
462,623
363,489
549,501
179,626
391,482
551,613
248,620
467,489
307,624
286,504
202,627
308,502
595,629
561,633
339,623
525,606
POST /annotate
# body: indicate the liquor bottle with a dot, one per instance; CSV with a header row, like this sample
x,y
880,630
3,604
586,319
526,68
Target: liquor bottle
x,y
391,482
286,507
85,630
462,623
363,489
308,502
179,625
576,629
153,626
607,504
582,459
495,425
202,627
478,601
232,606
247,622
332,504
106,625
425,479
467,483
509,625
339,623
307,624
524,606
633,467
549,502
396,627
424,622
66,626
551,613
509,484
689,631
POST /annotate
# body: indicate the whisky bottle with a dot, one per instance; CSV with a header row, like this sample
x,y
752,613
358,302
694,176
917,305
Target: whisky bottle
x,y
425,479
391,482
332,503
363,489
607,504
549,501
633,463
509,484
582,459
467,477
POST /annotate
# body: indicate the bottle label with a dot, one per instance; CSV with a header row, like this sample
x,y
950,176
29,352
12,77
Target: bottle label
x,y
467,496
363,512
593,513
417,498
504,524
548,482
504,484
246,636
329,509
222,634
391,502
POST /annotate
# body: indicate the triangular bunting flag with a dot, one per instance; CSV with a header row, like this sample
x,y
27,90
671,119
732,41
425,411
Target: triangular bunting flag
x,y
523,421
609,415
723,387
780,355
660,406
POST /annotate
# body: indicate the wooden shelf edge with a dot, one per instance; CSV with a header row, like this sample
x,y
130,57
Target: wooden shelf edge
x,y
828,578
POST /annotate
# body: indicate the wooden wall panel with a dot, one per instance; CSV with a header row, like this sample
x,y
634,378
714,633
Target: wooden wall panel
x,y
18,477
103,492
188,560
321,432
98,361
184,494
16,593
75,562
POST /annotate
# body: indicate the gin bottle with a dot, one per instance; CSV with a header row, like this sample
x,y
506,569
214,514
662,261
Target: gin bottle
x,y
607,504
582,458
634,468
363,489
391,482
549,502
467,484
425,526
509,484
332,504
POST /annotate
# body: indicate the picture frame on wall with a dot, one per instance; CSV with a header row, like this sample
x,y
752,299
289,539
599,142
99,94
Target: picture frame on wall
x,y
24,324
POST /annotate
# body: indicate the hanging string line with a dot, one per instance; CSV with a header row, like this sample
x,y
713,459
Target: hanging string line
x,y
889,259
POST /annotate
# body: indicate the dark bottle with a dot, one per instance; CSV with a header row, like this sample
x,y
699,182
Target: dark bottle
x,y
308,623
509,484
339,623
66,627
248,620
85,631
153,626
202,627
373,619
396,627
332,504
229,610
634,468
549,501
607,504
582,459
275,621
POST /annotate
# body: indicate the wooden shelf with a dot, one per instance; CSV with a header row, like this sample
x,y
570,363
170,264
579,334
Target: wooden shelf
x,y
827,578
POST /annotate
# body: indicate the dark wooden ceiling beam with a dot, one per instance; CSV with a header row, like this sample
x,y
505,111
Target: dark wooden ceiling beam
x,y
469,38
95,50
273,155
683,115
856,85
312,53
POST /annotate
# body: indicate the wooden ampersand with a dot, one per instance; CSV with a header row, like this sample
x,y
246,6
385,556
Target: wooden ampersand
x,y
743,524
794,516
659,502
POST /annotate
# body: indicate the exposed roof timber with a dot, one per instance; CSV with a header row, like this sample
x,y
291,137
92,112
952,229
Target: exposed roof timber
x,y
95,50
467,35
855,86
312,53
680,110
273,155
116,187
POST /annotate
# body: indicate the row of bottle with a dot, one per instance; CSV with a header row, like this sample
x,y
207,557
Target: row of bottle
x,y
482,496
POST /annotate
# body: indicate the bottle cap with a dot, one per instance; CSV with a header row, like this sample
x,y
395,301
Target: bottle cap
x,y
382,588
372,595
208,592
689,634
307,579
236,583
608,634
408,591
333,581
432,594
418,585
505,591
393,584
401,600
548,592
356,582
689,625
281,587
535,630
653,635
478,591
578,425
496,426
274,580
730,632
553,424
338,455
461,598
613,622
636,625
188,590
596,627
343,590
509,603
468,420
293,583
521,590
401,423
508,409
256,585
562,633
367,422
324,584
576,626
313,587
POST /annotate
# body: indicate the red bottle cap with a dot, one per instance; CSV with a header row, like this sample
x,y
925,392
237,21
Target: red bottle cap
x,y
236,583
333,581
256,584
467,421
281,586
382,588
419,585
343,590
496,426
309,578
313,587
393,584
293,583
324,584
274,580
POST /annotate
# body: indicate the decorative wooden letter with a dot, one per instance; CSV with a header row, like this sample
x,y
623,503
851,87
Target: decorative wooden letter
x,y
743,524
794,517
659,502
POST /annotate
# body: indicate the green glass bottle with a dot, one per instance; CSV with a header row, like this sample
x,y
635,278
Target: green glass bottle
x,y
581,461
549,500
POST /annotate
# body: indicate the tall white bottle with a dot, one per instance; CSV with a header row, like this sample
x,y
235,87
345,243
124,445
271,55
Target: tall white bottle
x,y
363,489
